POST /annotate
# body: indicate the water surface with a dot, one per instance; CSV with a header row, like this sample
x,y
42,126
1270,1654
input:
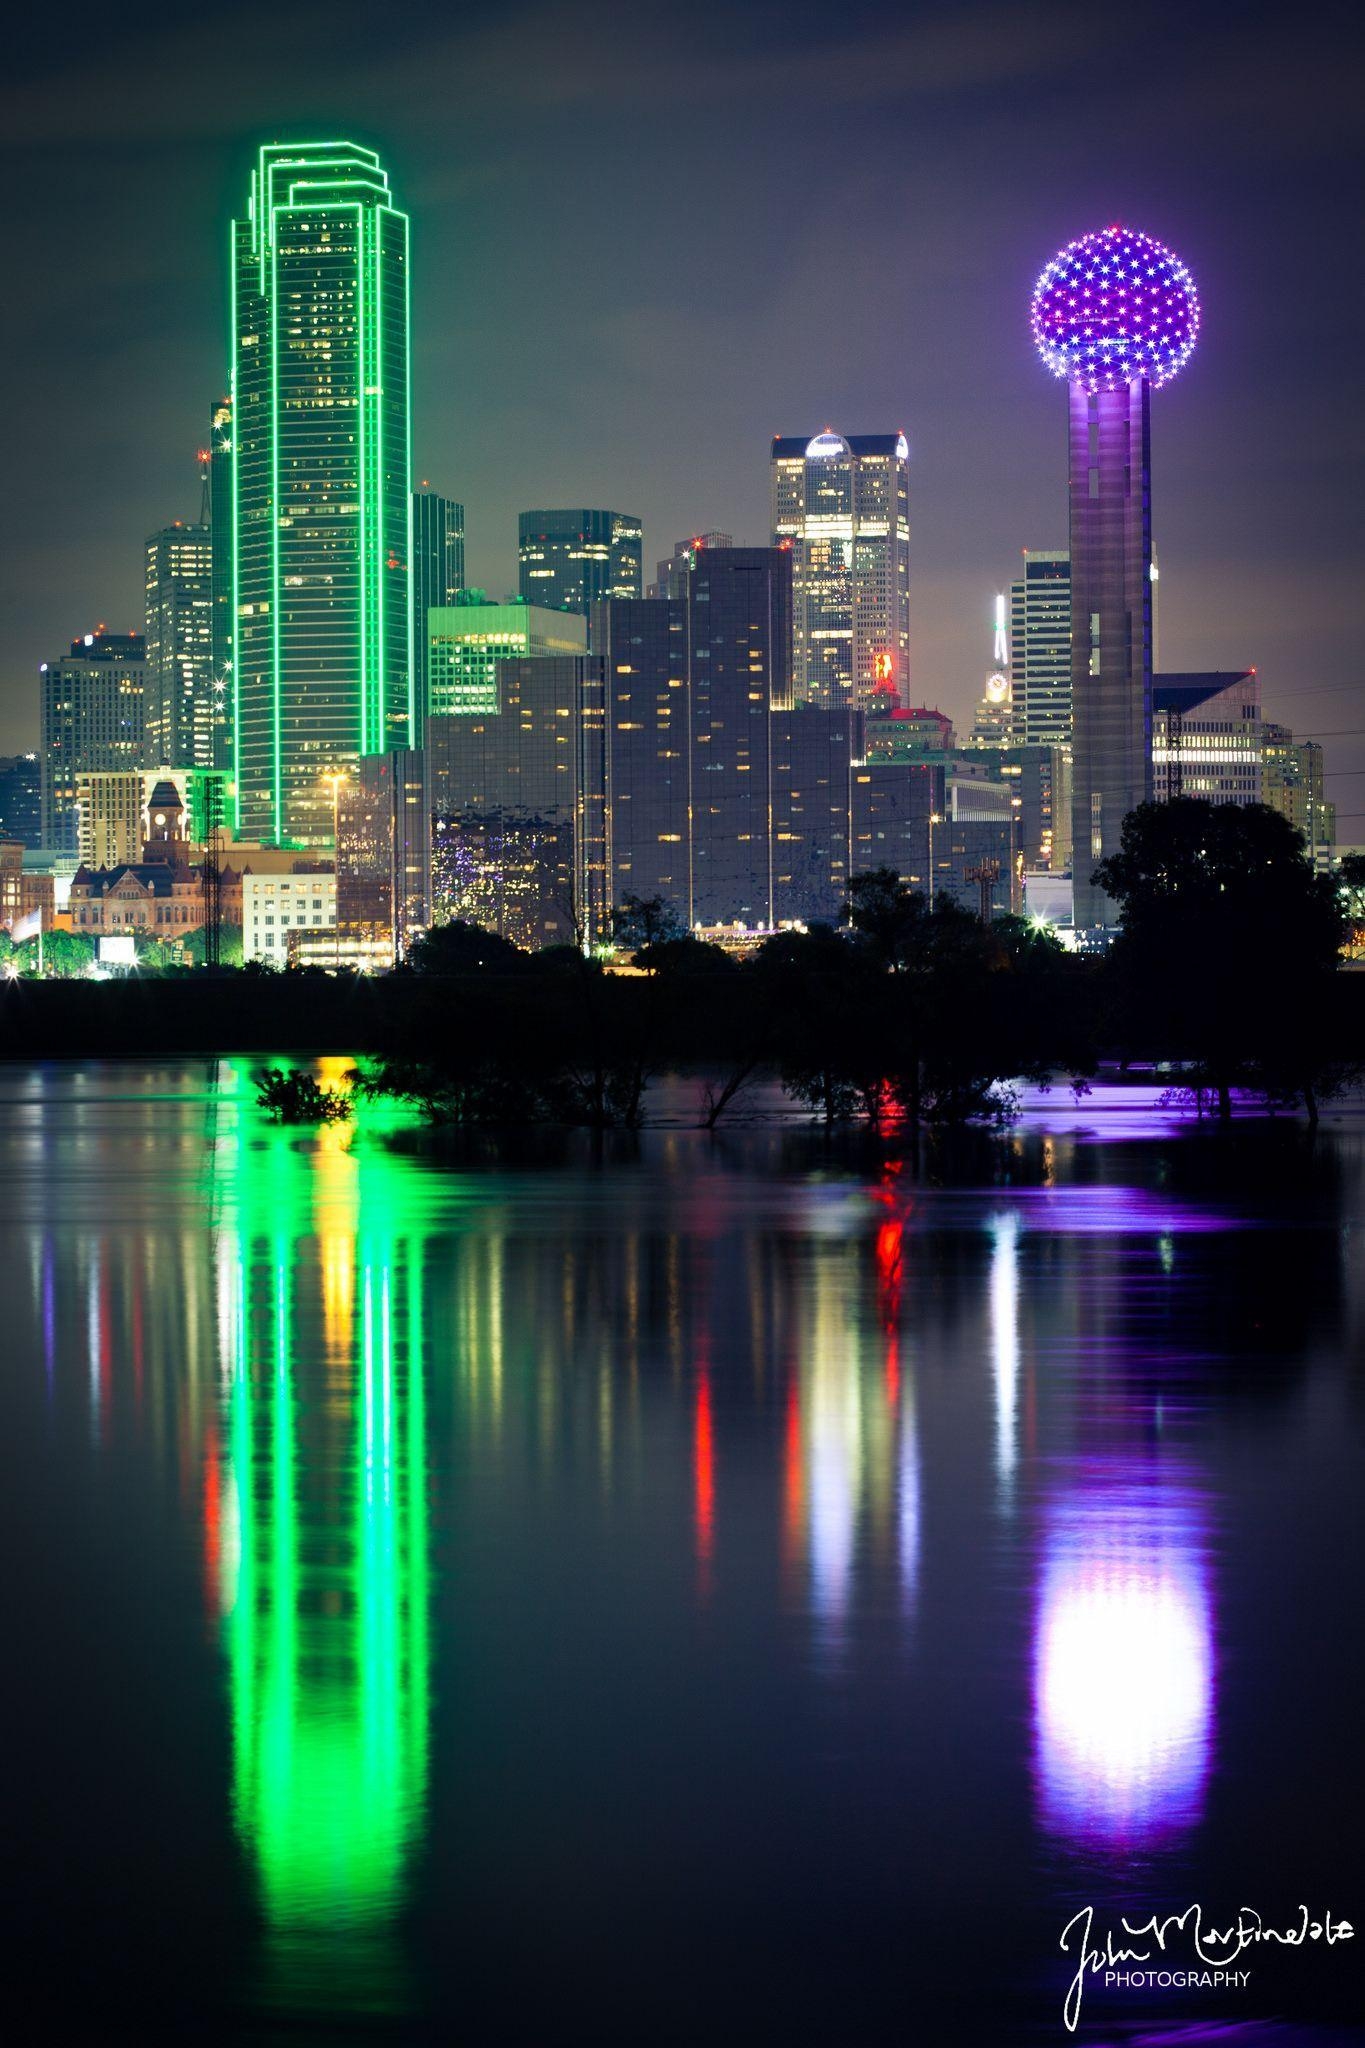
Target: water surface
x,y
686,1589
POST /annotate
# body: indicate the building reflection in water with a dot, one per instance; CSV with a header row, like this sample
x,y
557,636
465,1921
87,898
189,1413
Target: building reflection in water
x,y
1123,1656
1004,1313
317,1515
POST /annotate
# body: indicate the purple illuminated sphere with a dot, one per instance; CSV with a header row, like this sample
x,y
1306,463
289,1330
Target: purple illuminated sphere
x,y
1114,306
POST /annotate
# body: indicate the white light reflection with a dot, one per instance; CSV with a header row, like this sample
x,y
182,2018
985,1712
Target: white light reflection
x,y
1123,1661
1005,1344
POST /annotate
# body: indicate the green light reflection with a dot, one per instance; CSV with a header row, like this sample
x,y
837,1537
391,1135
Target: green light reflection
x,y
325,1572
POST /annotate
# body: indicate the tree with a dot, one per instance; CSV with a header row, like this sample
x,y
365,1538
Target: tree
x,y
463,948
643,922
1228,944
67,956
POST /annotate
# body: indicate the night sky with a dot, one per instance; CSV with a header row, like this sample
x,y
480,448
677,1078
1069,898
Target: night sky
x,y
646,238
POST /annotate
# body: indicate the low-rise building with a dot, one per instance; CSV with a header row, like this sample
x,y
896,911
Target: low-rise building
x,y
279,907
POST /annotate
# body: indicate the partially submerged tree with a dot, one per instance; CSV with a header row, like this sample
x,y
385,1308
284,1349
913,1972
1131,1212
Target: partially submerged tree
x,y
1228,946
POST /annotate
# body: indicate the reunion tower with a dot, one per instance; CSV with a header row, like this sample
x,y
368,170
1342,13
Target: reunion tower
x,y
1116,314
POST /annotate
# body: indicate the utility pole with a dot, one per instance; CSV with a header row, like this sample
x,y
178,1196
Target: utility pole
x,y
985,874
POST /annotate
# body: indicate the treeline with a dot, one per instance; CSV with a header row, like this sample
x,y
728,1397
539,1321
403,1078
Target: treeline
x,y
1226,971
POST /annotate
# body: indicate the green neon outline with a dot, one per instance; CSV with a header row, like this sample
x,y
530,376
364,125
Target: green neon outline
x,y
416,730
281,184
362,534
235,623
272,315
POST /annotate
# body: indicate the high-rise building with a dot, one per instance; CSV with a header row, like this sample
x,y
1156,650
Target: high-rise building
x,y
1040,649
812,751
322,669
221,453
1292,784
841,505
518,806
110,825
1206,737
467,641
180,695
93,717
21,798
1116,314
739,666
567,560
642,645
383,856
671,580
437,579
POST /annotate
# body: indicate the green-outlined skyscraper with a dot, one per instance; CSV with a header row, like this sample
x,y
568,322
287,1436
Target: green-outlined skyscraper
x,y
321,474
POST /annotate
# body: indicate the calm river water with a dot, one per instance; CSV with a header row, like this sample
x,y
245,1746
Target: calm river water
x,y
688,1591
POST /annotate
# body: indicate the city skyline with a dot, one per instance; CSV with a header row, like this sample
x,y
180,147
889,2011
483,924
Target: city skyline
x,y
706,357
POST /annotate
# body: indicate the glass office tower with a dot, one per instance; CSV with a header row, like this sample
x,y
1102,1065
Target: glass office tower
x,y
437,579
841,506
567,560
321,472
180,698
1040,649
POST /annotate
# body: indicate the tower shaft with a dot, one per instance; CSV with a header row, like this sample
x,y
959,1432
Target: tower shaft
x,y
1111,626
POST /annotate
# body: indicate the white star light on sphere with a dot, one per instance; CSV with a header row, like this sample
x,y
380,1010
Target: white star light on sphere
x,y
1128,328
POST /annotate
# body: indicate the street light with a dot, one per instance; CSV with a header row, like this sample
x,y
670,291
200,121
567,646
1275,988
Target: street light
x,y
934,819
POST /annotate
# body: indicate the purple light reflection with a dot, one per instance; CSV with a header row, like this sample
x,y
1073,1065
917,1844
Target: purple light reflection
x,y
1124,1658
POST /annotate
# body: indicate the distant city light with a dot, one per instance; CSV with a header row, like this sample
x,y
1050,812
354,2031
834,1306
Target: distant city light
x,y
1115,306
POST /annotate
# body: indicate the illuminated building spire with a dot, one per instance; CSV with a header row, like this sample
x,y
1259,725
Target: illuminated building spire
x,y
1117,316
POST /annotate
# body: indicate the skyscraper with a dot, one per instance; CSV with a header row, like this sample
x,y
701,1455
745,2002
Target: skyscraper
x,y
1040,649
642,644
1116,314
671,580
437,579
180,696
1206,737
739,662
21,799
841,504
322,483
568,560
93,717
383,856
221,536
466,642
518,806
1291,783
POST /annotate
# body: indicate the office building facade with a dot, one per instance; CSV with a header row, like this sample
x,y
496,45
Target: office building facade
x,y
181,704
279,909
568,560
21,798
383,852
672,573
221,452
1206,737
739,667
93,707
437,580
1040,650
467,642
1292,784
518,806
643,648
841,506
321,484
